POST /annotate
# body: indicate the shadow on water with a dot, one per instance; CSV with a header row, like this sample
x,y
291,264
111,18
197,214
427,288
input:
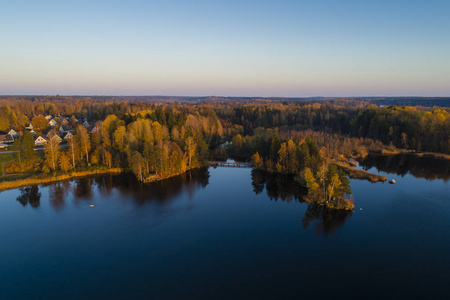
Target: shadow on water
x,y
419,167
285,188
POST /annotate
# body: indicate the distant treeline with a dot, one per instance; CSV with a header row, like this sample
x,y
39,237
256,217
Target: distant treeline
x,y
347,101
417,128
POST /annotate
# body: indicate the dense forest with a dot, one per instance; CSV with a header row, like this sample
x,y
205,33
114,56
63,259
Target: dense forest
x,y
416,128
154,140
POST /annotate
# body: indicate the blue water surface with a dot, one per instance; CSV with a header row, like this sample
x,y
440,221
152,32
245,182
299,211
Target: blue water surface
x,y
223,233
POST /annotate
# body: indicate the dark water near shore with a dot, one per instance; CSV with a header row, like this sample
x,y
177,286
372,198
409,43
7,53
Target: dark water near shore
x,y
224,233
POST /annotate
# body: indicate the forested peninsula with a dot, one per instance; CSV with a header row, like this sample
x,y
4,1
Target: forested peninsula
x,y
58,138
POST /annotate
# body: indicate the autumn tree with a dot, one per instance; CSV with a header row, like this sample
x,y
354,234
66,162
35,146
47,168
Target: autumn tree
x,y
311,183
257,161
52,151
137,165
190,149
39,123
119,138
73,148
64,162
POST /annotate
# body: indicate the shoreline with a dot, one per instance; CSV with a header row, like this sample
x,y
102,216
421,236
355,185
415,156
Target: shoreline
x,y
8,185
360,174
434,155
155,178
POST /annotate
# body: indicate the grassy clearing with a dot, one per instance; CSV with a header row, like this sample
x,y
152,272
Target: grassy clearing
x,y
5,157
16,176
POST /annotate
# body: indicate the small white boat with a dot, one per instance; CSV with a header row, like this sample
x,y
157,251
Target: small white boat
x,y
392,181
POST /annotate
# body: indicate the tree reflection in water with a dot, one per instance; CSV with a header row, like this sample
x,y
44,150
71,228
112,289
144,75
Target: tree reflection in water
x,y
419,167
287,189
126,185
327,220
57,194
161,191
83,188
30,195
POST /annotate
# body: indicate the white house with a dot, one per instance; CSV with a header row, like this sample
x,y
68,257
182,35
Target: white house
x,y
9,139
13,133
48,117
68,136
39,140
65,128
57,138
53,122
63,121
29,127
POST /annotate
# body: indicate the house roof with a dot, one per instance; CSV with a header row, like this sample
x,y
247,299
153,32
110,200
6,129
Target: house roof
x,y
8,138
37,136
67,128
68,135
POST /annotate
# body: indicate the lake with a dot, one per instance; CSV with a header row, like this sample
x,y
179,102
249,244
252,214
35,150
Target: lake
x,y
227,233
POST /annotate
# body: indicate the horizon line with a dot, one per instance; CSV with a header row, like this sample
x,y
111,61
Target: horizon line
x,y
206,96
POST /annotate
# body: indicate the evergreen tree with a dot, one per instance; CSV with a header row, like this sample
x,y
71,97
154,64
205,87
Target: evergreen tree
x,y
17,146
28,146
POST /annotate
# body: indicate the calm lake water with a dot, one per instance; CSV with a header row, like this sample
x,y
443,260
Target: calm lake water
x,y
227,233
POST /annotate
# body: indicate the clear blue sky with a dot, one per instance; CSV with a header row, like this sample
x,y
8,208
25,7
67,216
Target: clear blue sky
x,y
228,48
